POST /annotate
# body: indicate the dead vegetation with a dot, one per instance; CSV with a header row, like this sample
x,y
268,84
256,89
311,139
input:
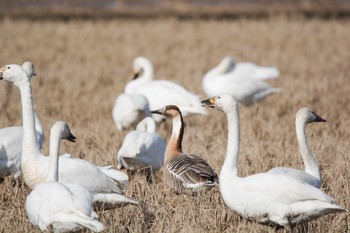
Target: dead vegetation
x,y
83,65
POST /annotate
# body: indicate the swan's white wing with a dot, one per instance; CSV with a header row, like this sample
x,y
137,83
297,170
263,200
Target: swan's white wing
x,y
86,174
160,93
251,70
129,109
246,91
142,149
297,174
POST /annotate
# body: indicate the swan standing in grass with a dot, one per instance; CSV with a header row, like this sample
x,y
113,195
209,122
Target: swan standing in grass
x,y
106,184
184,173
312,174
265,197
11,139
129,109
67,207
239,80
161,92
142,148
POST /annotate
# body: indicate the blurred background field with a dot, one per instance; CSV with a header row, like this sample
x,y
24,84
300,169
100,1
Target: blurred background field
x,y
83,63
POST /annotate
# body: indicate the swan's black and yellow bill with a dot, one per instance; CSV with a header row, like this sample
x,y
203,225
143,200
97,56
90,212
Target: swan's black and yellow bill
x,y
210,103
2,70
160,111
136,75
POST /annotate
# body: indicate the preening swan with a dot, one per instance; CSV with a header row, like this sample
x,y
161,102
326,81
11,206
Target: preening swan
x,y
129,109
265,197
244,81
184,173
161,92
67,207
312,174
11,139
106,184
142,148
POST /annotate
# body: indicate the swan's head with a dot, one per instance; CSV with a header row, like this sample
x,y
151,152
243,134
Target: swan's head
x,y
29,68
140,63
168,111
224,103
226,64
62,129
13,73
308,116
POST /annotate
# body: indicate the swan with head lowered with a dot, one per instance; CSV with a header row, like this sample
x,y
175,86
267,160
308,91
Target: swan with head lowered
x,y
184,173
265,197
129,109
105,184
312,174
65,207
244,81
142,148
161,92
11,139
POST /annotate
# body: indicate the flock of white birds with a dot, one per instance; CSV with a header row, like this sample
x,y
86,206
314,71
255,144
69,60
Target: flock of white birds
x,y
65,188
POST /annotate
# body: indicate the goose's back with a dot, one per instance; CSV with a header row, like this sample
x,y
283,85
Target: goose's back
x,y
189,173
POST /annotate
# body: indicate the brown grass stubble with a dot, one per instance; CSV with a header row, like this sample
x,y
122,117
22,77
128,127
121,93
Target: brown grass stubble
x,y
83,65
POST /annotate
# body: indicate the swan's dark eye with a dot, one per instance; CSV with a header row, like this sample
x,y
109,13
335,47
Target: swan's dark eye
x,y
8,67
218,97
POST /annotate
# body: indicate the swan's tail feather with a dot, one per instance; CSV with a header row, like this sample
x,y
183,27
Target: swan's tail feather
x,y
113,199
261,95
266,73
117,176
185,110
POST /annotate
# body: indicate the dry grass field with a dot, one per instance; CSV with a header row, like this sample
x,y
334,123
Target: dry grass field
x,y
83,65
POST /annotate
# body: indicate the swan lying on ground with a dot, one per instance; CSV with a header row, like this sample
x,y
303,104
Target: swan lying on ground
x,y
243,81
161,92
265,197
142,148
184,173
66,207
129,109
312,174
105,184
11,139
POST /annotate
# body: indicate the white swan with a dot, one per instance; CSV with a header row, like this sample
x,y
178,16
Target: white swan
x,y
228,78
129,109
184,173
106,184
161,92
245,70
265,197
142,148
312,174
67,207
11,140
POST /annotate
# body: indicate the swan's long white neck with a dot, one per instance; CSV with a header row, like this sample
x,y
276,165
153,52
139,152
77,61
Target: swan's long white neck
x,y
30,150
146,125
39,129
310,163
174,146
147,70
55,141
231,160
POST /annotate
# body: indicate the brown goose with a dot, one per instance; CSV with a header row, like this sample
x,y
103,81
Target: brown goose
x,y
184,173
